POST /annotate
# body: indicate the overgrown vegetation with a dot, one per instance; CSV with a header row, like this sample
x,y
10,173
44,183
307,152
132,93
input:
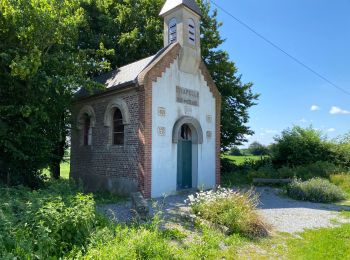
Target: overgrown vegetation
x,y
301,153
234,210
301,146
315,190
50,48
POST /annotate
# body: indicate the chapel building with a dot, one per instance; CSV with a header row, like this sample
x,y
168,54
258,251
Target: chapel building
x,y
156,126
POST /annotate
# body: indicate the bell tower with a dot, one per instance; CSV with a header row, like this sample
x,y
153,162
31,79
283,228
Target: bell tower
x,y
182,25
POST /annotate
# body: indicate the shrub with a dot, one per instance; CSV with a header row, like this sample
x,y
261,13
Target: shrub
x,y
235,151
45,223
232,209
315,190
341,151
304,172
227,165
300,146
264,172
256,148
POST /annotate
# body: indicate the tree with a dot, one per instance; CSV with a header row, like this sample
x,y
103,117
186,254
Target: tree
x,y
235,151
133,30
300,146
49,48
40,68
256,148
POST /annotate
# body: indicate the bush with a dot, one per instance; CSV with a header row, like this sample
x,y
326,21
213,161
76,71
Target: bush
x,y
45,223
227,165
341,151
256,148
300,146
235,151
234,210
304,172
315,190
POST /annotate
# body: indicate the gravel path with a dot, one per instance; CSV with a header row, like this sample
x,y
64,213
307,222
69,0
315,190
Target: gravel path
x,y
284,214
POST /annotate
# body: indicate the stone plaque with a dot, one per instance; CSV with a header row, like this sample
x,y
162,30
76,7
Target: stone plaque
x,y
161,111
161,131
187,96
209,118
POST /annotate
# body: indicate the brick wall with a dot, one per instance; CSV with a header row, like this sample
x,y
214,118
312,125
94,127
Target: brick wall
x,y
103,165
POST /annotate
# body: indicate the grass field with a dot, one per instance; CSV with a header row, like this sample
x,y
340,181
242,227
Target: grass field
x,y
242,159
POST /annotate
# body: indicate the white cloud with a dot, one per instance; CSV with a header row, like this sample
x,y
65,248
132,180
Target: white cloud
x,y
331,129
337,110
315,108
303,120
271,131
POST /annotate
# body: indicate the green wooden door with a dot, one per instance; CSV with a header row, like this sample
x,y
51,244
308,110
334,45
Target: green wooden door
x,y
184,164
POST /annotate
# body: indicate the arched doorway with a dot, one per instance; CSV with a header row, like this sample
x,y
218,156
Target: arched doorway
x,y
188,134
184,158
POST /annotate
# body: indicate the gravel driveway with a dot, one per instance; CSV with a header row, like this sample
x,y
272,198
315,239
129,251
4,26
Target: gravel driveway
x,y
284,214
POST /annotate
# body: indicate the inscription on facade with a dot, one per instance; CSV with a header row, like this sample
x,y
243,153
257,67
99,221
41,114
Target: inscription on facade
x,y
161,111
187,96
161,131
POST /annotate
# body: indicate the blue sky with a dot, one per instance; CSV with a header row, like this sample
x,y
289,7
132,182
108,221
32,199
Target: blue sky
x,y
317,32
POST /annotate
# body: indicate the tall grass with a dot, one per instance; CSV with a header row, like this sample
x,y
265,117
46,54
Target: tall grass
x,y
234,210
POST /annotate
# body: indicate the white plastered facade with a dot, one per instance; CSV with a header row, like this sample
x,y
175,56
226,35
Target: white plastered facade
x,y
164,151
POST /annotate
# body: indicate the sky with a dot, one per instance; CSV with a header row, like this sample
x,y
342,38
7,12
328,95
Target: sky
x,y
317,32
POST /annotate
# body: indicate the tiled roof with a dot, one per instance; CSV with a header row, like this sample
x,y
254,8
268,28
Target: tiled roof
x,y
171,4
122,76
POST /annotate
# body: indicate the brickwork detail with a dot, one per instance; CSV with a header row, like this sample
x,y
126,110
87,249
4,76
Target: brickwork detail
x,y
103,165
207,77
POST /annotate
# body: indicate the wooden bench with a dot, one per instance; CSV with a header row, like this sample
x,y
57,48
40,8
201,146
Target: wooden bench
x,y
271,181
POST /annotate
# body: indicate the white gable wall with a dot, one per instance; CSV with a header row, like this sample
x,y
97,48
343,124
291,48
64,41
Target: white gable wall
x,y
164,151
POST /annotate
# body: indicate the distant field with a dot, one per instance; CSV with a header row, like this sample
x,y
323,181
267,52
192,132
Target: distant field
x,y
65,168
241,159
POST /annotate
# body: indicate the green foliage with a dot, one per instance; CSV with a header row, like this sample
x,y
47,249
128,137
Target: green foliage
x,y
340,149
138,242
315,190
234,151
304,172
235,210
134,30
48,49
300,146
45,223
40,69
342,181
256,148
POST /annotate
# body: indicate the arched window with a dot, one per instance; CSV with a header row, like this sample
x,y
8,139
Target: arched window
x,y
118,128
172,30
86,121
191,32
87,130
